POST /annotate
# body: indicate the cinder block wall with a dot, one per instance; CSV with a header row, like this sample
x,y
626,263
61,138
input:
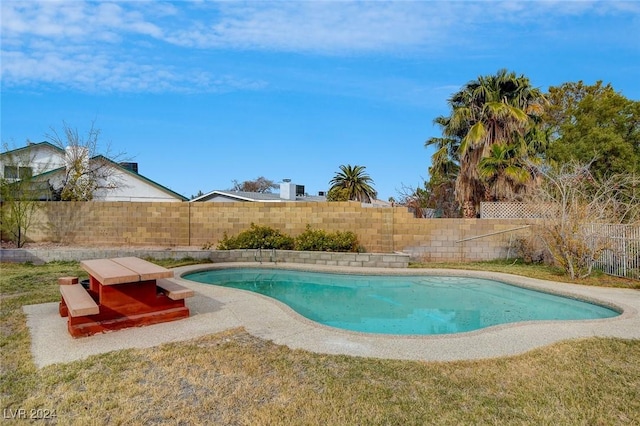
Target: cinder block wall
x,y
112,223
458,239
211,220
381,230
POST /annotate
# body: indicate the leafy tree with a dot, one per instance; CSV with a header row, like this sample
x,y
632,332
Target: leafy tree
x,y
338,194
593,120
20,194
17,213
356,181
261,184
87,171
496,109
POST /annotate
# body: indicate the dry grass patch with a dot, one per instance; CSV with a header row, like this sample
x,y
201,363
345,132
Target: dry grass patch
x,y
235,378
543,272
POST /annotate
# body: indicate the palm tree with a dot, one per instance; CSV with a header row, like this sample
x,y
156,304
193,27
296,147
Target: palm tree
x,y
442,176
501,109
355,181
504,172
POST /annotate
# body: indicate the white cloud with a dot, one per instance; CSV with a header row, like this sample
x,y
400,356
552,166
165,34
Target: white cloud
x,y
72,20
140,46
96,47
320,27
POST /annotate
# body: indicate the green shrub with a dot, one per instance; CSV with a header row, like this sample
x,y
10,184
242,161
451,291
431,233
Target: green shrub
x,y
257,237
319,240
344,241
312,240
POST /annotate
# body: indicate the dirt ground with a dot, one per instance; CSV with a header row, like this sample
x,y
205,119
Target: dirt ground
x,y
53,246
47,245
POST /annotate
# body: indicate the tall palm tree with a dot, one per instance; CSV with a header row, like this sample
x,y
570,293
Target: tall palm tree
x,y
355,181
497,109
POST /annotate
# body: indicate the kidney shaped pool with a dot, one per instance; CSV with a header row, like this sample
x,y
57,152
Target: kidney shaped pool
x,y
403,304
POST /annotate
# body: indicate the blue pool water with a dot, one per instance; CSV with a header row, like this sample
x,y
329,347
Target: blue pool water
x,y
403,304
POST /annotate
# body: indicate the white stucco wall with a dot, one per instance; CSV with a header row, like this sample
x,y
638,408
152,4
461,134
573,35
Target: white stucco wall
x,y
130,188
40,159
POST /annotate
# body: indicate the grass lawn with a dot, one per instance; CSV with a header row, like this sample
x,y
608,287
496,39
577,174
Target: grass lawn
x,y
543,272
235,378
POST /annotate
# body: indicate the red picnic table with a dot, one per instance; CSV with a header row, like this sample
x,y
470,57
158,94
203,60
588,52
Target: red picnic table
x,y
123,292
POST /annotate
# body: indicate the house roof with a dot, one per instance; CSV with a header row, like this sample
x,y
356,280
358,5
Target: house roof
x,y
252,196
33,145
122,169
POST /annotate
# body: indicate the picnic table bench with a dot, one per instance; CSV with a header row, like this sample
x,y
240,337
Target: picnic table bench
x,y
122,292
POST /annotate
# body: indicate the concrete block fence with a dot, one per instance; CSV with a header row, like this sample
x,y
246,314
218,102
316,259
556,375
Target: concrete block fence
x,y
39,256
375,260
112,225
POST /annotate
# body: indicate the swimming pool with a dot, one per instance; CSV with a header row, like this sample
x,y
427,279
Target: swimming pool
x,y
403,305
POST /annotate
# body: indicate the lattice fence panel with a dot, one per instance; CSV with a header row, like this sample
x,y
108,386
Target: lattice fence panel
x,y
515,210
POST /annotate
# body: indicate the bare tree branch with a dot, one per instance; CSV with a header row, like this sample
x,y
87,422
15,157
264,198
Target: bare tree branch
x,y
87,169
580,204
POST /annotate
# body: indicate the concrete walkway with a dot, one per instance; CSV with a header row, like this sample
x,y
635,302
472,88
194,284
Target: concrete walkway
x,y
215,309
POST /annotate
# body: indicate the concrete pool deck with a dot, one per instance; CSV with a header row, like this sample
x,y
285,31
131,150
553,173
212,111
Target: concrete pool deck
x,y
215,309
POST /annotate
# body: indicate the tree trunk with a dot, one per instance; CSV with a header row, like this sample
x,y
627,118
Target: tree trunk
x,y
469,210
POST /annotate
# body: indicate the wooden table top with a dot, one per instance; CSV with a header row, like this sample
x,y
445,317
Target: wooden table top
x,y
123,270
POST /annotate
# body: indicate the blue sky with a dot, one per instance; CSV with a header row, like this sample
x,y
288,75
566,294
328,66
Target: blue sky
x,y
202,93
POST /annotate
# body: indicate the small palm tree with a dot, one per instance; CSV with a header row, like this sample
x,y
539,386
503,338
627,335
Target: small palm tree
x,y
355,181
505,172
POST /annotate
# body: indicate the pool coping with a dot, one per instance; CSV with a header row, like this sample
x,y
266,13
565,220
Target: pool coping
x,y
215,309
